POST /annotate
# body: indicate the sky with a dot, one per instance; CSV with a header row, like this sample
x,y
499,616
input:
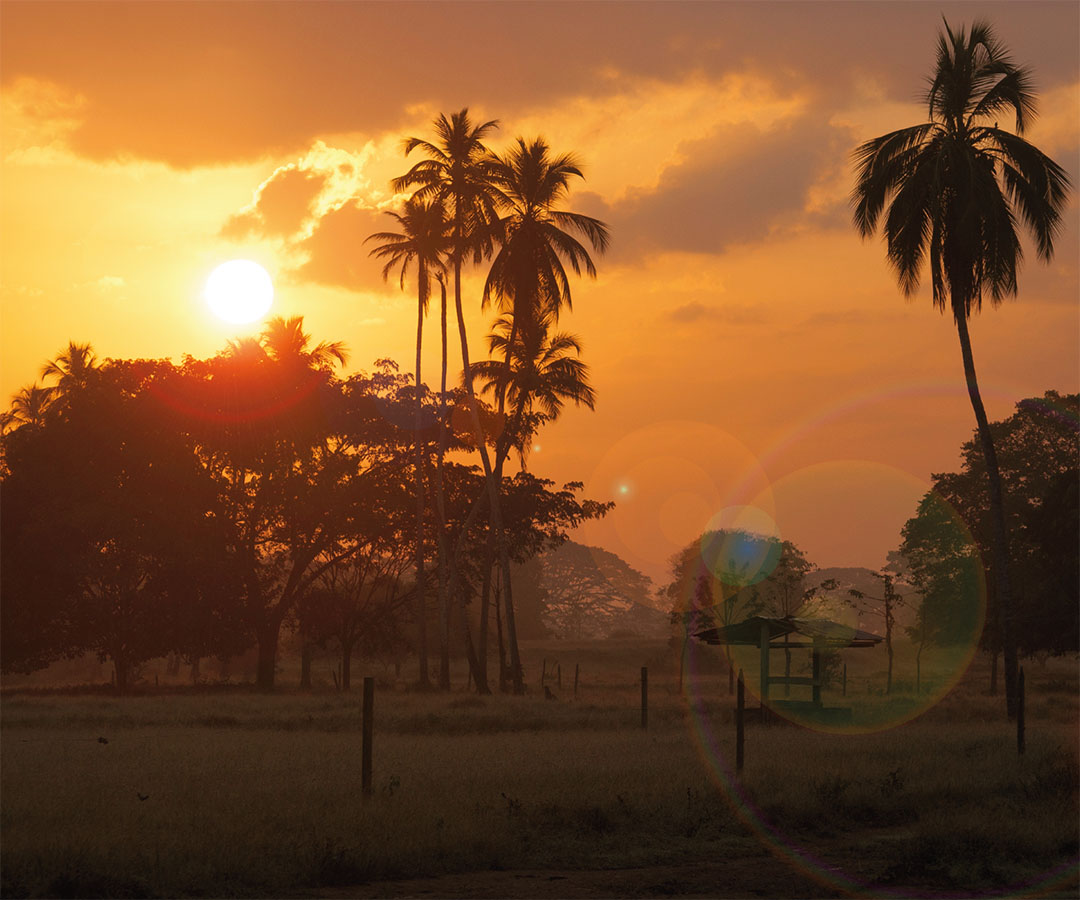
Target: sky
x,y
755,363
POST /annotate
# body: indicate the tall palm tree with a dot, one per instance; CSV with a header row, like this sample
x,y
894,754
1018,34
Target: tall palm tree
x,y
537,238
421,244
459,171
955,187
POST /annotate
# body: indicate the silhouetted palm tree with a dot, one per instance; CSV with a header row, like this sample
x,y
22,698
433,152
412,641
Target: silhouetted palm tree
x,y
955,187
537,240
72,370
421,244
285,341
28,406
459,172
545,373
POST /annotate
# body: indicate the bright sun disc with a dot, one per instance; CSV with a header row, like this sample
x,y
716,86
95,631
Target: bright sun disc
x,y
239,291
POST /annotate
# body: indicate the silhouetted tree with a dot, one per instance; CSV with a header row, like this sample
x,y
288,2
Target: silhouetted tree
x,y
955,187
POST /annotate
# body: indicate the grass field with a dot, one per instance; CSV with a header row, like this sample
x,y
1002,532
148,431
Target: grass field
x,y
224,792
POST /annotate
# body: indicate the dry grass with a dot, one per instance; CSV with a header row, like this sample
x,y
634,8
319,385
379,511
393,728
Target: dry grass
x,y
260,795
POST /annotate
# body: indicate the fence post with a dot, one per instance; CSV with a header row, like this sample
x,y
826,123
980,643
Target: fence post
x,y
644,696
543,672
740,713
576,665
368,729
558,675
1020,713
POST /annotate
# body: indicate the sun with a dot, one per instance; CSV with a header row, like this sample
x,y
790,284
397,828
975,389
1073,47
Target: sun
x,y
239,291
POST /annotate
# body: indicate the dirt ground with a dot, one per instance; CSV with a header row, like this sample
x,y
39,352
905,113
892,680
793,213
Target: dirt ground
x,y
759,877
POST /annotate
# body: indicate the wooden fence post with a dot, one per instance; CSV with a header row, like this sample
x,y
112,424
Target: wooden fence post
x,y
368,730
576,665
740,714
1020,713
644,696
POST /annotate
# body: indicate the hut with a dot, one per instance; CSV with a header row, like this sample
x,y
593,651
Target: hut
x,y
776,633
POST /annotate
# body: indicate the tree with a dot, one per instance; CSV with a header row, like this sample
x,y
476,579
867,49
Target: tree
x,y
28,407
422,243
955,187
528,275
1039,462
291,449
110,542
590,590
884,606
946,570
458,173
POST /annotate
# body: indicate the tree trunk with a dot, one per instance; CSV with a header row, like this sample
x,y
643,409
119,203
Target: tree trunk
x,y
493,490
267,638
346,665
1000,539
485,604
305,666
195,669
421,594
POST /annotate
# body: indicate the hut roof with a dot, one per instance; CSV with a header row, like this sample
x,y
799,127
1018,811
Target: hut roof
x,y
832,634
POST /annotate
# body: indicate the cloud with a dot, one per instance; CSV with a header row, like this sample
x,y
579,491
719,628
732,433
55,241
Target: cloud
x,y
335,251
229,82
735,187
282,205
730,314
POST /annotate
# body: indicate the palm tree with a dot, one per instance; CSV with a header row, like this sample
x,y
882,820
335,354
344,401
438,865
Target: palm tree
x,y
537,376
72,369
421,243
544,373
286,342
529,270
955,187
459,171
29,406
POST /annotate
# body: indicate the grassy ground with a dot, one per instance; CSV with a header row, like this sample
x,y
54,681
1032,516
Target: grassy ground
x,y
224,792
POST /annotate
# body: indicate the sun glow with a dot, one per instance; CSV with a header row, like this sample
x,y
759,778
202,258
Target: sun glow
x,y
239,291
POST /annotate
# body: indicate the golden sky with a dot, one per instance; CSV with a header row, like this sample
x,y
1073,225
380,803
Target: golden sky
x,y
746,346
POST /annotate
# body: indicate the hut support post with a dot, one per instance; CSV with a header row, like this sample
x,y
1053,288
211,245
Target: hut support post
x,y
764,664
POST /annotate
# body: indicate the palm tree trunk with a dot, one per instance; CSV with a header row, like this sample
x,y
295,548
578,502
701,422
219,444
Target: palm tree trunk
x,y
440,499
493,492
999,539
421,587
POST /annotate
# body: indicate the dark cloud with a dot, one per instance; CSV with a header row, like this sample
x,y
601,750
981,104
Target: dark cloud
x,y
229,81
734,188
337,252
283,203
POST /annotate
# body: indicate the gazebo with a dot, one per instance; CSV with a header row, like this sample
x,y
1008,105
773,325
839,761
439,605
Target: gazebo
x,y
817,635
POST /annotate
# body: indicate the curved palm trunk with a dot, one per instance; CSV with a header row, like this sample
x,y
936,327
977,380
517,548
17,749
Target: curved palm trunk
x,y
999,534
421,593
493,491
